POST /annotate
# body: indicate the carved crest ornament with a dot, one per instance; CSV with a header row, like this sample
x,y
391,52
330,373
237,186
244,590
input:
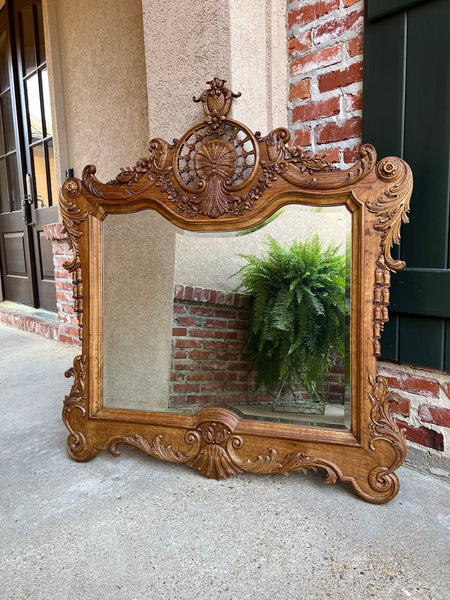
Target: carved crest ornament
x,y
220,176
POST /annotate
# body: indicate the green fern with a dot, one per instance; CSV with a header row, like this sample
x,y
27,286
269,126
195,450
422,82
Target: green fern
x,y
297,317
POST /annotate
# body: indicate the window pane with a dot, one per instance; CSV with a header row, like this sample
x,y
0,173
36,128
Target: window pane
x,y
29,55
34,108
40,33
4,195
40,175
51,166
4,72
47,107
7,122
13,174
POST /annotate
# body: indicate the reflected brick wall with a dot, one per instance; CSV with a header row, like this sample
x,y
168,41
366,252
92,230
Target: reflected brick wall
x,y
209,365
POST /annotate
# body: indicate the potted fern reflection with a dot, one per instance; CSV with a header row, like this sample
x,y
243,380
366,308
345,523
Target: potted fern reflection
x,y
297,315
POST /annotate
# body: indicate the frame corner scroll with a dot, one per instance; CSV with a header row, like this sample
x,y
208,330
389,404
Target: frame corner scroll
x,y
391,209
220,176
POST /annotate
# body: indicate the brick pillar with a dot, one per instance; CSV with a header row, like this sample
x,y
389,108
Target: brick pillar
x,y
68,322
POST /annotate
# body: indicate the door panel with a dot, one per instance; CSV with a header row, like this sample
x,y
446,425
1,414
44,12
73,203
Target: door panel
x,y
14,253
38,141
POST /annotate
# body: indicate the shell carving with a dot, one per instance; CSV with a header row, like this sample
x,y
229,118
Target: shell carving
x,y
216,158
214,163
213,461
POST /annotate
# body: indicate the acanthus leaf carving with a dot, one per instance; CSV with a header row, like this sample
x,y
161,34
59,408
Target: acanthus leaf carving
x,y
392,206
155,449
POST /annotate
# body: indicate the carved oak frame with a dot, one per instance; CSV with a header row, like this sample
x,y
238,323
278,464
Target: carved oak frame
x,y
235,180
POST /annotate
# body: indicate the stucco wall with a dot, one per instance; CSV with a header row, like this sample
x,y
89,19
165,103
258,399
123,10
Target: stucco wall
x,y
188,43
139,251
98,83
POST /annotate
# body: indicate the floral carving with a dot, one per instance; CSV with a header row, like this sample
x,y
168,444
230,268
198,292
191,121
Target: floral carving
x,y
76,400
216,102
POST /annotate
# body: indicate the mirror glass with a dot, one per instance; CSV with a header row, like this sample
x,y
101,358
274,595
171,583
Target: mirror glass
x,y
254,321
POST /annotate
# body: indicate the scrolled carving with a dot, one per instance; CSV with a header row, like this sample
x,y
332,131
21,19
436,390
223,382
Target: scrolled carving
x,y
384,429
392,206
72,188
72,217
155,449
391,210
76,400
281,156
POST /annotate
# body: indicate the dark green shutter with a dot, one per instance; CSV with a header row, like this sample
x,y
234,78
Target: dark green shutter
x,y
407,113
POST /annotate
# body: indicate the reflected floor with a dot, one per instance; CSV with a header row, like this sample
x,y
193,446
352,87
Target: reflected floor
x,y
335,416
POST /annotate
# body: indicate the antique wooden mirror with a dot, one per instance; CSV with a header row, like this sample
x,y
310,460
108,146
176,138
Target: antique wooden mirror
x,y
231,292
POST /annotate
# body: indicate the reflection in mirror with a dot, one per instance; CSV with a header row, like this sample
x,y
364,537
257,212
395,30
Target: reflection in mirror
x,y
255,321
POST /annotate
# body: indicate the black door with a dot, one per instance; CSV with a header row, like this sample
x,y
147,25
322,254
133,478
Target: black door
x,y
28,193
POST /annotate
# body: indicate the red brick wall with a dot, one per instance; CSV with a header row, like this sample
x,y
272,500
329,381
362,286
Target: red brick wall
x,y
325,47
209,367
424,409
67,320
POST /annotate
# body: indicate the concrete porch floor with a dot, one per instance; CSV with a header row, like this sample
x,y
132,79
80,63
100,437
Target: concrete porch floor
x,y
130,528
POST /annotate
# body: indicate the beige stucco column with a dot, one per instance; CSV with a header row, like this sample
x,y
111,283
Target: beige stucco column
x,y
187,43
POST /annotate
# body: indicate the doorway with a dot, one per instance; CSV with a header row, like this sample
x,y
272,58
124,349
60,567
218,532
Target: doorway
x,y
28,191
